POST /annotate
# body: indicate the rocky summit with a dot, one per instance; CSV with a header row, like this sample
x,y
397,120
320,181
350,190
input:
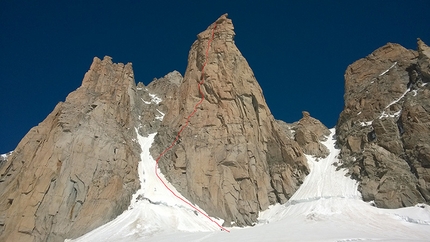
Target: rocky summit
x,y
78,169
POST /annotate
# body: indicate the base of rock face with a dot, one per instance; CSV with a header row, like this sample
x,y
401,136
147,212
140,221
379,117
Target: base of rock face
x,y
77,169
384,128
233,160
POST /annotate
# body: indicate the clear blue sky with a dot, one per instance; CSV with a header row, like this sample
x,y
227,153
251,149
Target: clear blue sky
x,y
299,51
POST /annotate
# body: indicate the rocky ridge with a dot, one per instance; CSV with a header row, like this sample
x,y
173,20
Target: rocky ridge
x,y
384,128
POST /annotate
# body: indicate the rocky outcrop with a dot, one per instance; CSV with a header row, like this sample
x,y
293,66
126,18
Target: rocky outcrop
x,y
233,160
309,133
78,168
384,128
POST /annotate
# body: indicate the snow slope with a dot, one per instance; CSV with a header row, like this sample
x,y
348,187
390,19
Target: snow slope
x,y
327,207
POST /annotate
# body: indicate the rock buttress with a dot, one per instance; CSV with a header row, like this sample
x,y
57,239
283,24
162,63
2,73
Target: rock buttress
x,y
384,129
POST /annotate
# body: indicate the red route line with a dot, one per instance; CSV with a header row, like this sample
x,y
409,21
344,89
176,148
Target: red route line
x,y
182,129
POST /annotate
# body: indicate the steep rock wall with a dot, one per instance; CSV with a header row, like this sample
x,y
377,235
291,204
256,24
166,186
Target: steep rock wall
x,y
384,129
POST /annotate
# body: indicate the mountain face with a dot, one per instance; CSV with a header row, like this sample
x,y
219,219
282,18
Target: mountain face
x,y
233,160
384,129
78,168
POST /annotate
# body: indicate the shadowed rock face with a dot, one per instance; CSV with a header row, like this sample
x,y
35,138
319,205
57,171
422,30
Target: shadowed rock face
x,y
233,160
77,169
385,125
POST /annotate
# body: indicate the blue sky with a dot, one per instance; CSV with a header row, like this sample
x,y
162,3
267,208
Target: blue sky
x,y
298,51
